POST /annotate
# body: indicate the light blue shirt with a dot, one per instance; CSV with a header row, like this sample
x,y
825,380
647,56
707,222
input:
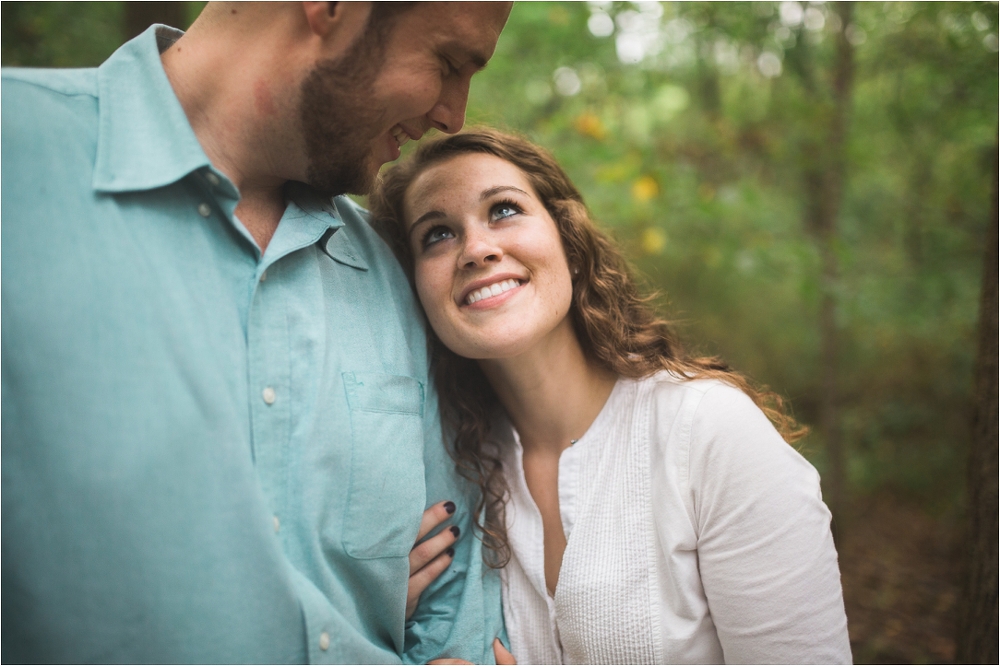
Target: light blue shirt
x,y
209,455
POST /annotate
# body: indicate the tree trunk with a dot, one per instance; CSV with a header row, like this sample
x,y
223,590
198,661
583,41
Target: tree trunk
x,y
977,609
824,190
708,75
141,15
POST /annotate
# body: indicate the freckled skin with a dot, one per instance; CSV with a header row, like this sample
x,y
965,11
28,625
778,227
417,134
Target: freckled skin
x,y
476,245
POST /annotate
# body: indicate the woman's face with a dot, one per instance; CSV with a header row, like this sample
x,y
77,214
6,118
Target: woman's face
x,y
490,267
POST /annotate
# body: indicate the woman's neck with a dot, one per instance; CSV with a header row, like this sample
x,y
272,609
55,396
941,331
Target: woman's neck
x,y
552,393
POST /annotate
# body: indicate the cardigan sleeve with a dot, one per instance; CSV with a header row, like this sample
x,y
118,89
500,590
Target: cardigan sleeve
x,y
765,551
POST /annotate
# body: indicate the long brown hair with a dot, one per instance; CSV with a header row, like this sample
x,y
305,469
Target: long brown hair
x,y
616,325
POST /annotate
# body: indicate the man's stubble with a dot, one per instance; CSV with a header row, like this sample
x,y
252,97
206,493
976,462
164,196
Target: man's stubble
x,y
340,120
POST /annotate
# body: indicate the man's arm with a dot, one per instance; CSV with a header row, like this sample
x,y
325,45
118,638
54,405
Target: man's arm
x,y
459,614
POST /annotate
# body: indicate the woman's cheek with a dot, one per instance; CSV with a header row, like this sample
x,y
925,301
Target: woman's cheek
x,y
432,289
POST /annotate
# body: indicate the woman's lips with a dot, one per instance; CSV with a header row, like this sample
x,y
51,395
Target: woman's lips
x,y
490,290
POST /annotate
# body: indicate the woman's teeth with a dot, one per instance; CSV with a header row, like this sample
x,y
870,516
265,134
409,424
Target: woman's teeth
x,y
491,290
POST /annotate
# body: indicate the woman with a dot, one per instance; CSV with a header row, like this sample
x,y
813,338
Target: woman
x,y
641,502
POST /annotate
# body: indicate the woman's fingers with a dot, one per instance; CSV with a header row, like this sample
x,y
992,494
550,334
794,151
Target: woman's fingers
x,y
428,559
425,551
503,657
434,516
501,653
421,579
425,576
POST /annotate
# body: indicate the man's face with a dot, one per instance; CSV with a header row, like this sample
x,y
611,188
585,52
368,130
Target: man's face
x,y
357,111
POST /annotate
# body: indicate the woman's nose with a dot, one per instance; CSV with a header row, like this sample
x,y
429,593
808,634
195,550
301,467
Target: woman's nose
x,y
479,250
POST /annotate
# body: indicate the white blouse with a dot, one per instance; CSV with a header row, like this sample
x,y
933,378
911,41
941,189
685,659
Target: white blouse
x,y
695,534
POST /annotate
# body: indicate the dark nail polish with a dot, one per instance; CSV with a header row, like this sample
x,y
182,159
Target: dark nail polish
x,y
454,530
450,552
449,506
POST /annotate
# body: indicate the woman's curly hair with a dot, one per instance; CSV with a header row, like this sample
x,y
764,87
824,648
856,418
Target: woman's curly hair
x,y
616,325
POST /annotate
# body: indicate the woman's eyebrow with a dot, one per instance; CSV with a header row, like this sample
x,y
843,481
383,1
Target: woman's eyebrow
x,y
498,189
429,215
486,194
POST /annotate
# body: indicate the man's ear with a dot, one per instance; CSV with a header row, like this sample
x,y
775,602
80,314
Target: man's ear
x,y
336,20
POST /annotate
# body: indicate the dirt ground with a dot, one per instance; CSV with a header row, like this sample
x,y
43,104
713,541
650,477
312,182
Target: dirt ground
x,y
899,569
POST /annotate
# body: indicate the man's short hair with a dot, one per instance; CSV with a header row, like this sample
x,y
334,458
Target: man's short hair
x,y
382,20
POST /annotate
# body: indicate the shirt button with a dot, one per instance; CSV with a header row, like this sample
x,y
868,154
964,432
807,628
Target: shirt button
x,y
268,395
263,276
212,179
277,524
324,641
204,209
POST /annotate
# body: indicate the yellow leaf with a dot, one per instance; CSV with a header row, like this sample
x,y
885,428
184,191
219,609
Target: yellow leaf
x,y
653,240
645,189
590,125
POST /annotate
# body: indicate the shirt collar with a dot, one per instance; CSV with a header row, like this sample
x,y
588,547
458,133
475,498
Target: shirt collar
x,y
314,204
144,139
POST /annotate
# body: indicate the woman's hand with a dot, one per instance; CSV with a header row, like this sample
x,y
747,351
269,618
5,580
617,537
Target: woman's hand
x,y
499,651
430,558
501,654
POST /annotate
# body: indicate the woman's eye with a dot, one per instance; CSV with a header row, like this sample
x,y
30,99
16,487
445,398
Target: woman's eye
x,y
503,210
436,234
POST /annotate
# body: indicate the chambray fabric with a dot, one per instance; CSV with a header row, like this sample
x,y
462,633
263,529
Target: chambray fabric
x,y
208,455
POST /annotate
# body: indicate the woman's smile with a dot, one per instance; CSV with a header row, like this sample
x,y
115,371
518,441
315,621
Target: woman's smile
x,y
489,296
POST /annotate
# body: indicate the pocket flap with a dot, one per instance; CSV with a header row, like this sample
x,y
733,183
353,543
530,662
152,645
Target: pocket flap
x,y
376,392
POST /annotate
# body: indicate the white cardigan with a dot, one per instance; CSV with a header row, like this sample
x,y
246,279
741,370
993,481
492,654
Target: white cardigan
x,y
695,534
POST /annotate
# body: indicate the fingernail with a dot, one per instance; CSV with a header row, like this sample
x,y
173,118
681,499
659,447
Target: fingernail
x,y
449,506
450,552
454,530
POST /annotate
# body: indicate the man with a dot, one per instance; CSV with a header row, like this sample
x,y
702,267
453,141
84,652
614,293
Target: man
x,y
219,432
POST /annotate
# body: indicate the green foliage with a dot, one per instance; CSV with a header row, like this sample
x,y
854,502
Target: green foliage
x,y
690,128
73,34
60,34
694,152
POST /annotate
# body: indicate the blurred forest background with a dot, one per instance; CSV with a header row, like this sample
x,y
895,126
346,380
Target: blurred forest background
x,y
810,188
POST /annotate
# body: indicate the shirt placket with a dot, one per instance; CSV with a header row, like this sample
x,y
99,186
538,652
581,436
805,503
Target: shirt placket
x,y
269,381
268,351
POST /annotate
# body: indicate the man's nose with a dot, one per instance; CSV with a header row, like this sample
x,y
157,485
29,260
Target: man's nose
x,y
448,115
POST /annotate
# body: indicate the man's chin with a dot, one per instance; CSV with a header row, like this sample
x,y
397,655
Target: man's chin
x,y
337,182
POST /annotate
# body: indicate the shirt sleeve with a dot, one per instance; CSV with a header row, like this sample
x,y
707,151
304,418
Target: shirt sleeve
x,y
765,551
459,614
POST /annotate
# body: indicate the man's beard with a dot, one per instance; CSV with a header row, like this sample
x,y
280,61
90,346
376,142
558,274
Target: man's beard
x,y
339,123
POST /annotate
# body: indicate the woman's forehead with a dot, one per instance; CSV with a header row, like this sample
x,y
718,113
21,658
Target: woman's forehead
x,y
462,178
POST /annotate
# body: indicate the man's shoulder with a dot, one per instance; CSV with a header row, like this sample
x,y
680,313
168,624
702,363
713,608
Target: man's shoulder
x,y
356,219
64,82
48,108
50,126
347,206
371,246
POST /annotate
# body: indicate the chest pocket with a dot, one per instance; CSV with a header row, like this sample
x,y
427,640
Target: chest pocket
x,y
386,495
